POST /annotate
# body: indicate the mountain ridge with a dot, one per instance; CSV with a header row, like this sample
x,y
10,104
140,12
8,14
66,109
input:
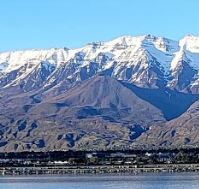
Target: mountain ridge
x,y
145,61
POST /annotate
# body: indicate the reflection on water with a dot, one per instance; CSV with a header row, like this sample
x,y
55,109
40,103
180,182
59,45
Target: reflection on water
x,y
147,181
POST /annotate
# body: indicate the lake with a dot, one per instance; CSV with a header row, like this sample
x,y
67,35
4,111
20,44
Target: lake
x,y
142,181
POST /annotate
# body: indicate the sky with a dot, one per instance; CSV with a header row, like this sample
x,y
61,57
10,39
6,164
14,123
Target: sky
x,y
26,24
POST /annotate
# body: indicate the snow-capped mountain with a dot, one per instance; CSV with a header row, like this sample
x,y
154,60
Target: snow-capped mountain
x,y
105,95
146,61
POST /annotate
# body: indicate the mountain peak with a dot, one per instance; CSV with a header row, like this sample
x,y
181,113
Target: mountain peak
x,y
190,43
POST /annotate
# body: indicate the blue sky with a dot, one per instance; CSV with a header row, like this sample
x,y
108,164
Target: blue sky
x,y
26,24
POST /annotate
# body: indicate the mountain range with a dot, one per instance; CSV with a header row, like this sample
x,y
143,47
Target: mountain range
x,y
131,92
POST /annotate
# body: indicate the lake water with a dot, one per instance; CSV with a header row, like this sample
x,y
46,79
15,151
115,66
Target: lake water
x,y
147,181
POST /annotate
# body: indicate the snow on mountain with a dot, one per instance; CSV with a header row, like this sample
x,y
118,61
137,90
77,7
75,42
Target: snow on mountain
x,y
146,61
16,59
189,52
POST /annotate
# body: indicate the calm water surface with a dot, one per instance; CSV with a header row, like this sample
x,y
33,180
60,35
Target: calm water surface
x,y
147,181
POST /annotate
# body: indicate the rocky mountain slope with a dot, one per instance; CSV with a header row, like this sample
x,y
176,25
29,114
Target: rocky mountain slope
x,y
180,132
129,92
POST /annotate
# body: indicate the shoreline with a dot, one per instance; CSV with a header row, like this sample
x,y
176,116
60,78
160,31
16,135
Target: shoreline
x,y
98,170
